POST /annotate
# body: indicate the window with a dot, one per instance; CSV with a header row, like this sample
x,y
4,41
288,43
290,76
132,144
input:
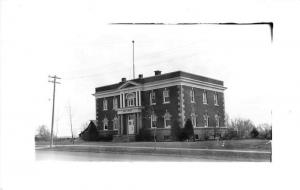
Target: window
x,y
130,99
194,119
216,99
217,118
104,104
105,124
192,94
115,123
115,103
167,120
166,96
153,121
204,97
152,98
206,120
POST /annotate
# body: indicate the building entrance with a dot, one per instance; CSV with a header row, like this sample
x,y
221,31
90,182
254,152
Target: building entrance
x,y
131,124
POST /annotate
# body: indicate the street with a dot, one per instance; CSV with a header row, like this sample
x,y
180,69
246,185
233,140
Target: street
x,y
42,155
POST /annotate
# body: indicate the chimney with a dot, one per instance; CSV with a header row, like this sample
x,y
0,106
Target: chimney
x,y
123,79
157,72
140,76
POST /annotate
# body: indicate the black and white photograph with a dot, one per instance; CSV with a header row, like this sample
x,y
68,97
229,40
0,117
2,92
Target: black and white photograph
x,y
143,96
161,96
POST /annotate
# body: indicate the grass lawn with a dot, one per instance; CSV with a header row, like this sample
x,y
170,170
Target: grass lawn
x,y
245,144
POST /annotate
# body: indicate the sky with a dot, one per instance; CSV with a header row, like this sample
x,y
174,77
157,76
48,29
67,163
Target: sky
x,y
238,55
87,56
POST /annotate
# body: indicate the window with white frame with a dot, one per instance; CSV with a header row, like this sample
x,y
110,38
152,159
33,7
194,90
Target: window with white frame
x,y
152,98
166,96
192,94
216,99
194,119
115,103
115,123
167,120
153,121
206,120
130,99
105,124
104,104
204,97
217,118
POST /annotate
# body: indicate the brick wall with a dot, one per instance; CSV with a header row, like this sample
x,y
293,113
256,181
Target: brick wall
x,y
110,113
160,108
200,109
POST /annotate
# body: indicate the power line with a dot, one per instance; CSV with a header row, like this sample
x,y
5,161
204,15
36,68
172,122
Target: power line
x,y
52,121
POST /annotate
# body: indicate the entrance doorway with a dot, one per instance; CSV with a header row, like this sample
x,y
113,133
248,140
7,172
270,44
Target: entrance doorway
x,y
131,124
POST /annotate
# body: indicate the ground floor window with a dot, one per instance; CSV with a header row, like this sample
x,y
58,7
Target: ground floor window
x,y
206,120
115,123
217,118
167,120
153,121
194,120
105,124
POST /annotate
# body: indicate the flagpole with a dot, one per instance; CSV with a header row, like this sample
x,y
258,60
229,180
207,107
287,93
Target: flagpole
x,y
133,58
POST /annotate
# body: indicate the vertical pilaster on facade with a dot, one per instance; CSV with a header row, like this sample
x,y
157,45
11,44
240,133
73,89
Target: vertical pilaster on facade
x,y
121,126
136,98
140,104
181,112
123,99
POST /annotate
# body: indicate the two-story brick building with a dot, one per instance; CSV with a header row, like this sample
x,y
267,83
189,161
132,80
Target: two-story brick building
x,y
155,103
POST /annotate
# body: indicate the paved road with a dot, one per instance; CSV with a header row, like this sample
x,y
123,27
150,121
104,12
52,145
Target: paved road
x,y
42,155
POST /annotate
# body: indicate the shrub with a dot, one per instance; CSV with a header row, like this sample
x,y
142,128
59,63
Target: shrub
x,y
90,134
254,133
176,131
144,135
188,131
230,134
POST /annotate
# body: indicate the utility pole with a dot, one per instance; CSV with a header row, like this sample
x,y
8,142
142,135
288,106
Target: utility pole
x,y
133,58
53,103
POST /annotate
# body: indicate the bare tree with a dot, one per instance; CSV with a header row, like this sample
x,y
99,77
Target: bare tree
x,y
70,117
243,127
42,133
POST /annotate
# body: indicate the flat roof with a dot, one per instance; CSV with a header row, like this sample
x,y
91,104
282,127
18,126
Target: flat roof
x,y
162,77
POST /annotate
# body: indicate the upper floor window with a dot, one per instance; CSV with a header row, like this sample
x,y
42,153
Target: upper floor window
x,y
130,99
115,123
204,97
105,124
194,119
192,94
152,98
115,103
104,104
206,120
153,121
217,118
216,99
167,120
166,96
